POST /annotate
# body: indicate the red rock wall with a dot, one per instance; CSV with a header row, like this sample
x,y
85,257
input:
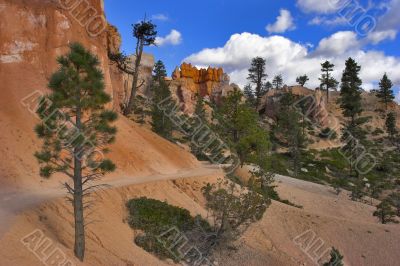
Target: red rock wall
x,y
35,32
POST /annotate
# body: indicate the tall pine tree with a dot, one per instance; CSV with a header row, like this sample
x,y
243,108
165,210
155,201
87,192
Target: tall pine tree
x,y
290,127
350,102
161,124
385,92
249,94
391,125
277,82
257,76
326,79
238,126
75,128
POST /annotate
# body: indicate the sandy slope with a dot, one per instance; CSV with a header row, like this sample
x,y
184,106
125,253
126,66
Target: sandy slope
x,y
336,221
109,238
15,202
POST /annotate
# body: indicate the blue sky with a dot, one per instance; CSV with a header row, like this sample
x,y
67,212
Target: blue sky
x,y
293,36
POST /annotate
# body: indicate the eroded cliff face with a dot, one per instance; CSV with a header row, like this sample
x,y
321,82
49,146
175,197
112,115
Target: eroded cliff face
x,y
33,33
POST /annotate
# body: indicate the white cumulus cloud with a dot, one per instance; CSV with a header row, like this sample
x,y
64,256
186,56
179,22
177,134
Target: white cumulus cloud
x,y
318,6
173,38
283,23
391,19
338,43
292,59
326,21
160,17
376,37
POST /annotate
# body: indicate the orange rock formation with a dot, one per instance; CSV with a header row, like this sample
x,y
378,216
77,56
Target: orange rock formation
x,y
201,75
202,81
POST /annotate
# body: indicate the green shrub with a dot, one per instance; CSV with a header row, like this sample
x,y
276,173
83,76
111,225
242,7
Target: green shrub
x,y
155,217
152,215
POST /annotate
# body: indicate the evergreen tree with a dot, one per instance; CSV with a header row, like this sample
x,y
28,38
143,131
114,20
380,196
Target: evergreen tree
x,y
75,129
161,124
302,80
249,94
385,92
159,71
385,212
267,86
257,76
277,82
350,102
326,79
391,126
238,126
145,34
336,258
289,126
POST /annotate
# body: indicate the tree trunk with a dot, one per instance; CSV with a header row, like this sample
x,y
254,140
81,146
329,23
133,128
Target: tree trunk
x,y
327,87
79,247
327,94
129,107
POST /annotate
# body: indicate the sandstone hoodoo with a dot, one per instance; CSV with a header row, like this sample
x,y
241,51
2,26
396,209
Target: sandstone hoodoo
x,y
188,81
205,80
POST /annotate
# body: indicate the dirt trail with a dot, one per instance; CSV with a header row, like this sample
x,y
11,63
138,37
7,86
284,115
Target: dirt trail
x,y
14,202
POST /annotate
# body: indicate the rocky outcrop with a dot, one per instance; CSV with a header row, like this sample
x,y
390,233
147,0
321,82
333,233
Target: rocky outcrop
x,y
202,81
114,39
189,81
145,77
314,100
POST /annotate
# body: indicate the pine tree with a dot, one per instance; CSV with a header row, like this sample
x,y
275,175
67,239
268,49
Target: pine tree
x,y
249,94
277,82
336,258
238,126
289,126
267,86
302,80
326,79
385,212
391,126
145,34
75,129
385,92
350,102
257,76
161,124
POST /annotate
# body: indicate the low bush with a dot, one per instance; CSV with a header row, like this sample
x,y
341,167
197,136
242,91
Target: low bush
x,y
154,218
